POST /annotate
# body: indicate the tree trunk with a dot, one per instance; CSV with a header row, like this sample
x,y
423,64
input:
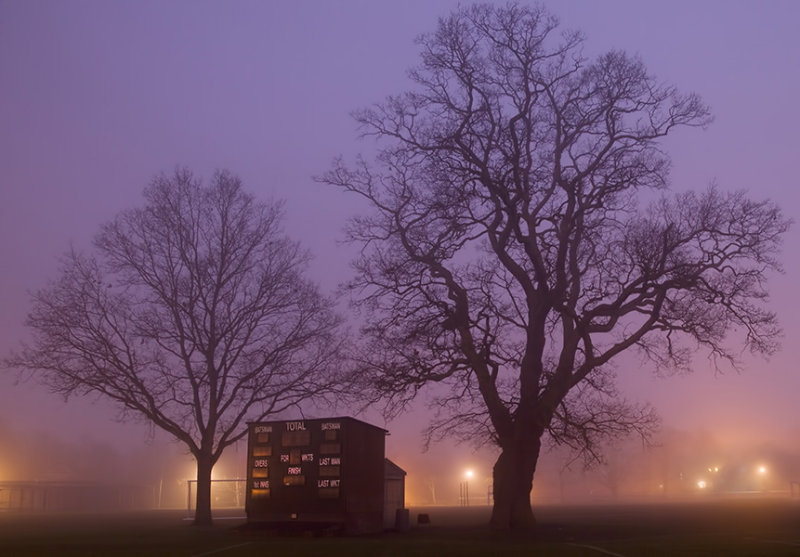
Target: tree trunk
x,y
513,481
202,513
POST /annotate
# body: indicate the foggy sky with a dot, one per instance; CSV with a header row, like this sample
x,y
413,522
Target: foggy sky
x,y
96,97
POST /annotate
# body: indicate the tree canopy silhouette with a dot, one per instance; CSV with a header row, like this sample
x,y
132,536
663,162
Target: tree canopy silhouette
x,y
509,255
192,313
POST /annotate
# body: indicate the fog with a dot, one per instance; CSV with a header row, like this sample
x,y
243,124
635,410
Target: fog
x,y
98,97
156,470
677,465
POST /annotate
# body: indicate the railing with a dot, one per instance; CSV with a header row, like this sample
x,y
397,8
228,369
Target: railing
x,y
233,498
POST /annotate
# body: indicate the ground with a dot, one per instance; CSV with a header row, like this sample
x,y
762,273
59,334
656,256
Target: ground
x,y
751,527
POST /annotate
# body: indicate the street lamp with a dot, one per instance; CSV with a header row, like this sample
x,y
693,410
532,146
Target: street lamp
x,y
465,487
762,478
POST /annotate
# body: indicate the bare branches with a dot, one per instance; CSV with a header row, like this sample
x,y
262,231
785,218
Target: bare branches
x,y
193,313
594,412
506,257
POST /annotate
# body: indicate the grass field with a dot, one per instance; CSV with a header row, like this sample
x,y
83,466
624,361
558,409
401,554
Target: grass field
x,y
761,527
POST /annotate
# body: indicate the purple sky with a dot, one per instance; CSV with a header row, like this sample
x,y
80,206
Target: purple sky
x,y
98,96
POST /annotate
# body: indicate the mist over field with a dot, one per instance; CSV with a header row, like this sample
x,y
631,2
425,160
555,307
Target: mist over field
x,y
99,97
678,466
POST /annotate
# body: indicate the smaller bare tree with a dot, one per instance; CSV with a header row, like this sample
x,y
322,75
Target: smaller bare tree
x,y
194,314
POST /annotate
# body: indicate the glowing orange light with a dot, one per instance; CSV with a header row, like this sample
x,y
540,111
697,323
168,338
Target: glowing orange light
x,y
469,473
702,484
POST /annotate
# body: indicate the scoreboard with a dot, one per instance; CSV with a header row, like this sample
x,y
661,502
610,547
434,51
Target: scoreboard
x,y
327,470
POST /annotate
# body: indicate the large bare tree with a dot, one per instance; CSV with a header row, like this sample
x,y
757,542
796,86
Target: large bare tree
x,y
509,255
193,313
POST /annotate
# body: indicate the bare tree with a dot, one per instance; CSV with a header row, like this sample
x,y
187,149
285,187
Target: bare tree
x,y
193,315
507,259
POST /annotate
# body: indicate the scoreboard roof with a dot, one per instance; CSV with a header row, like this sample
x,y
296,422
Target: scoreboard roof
x,y
325,419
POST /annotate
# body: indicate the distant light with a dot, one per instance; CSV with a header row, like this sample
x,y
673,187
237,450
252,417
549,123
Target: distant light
x,y
702,484
469,473
762,470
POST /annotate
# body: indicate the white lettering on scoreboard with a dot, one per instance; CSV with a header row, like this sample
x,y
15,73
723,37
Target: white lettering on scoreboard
x,y
295,426
330,461
261,484
308,457
294,471
261,463
263,429
331,425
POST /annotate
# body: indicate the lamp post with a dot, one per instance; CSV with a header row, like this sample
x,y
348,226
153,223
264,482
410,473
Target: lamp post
x,y
465,488
762,477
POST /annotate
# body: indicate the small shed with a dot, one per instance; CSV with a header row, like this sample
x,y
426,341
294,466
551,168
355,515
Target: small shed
x,y
394,496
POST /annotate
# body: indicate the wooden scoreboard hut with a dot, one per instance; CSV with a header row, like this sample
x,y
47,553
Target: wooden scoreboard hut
x,y
325,471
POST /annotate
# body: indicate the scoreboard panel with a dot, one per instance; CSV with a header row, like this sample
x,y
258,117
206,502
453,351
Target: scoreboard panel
x,y
321,470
